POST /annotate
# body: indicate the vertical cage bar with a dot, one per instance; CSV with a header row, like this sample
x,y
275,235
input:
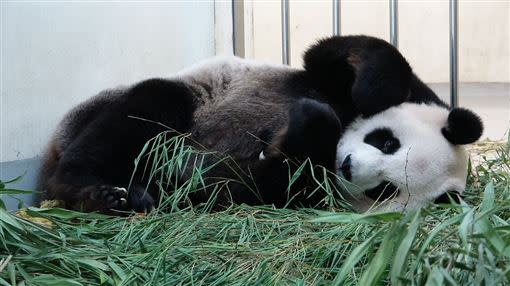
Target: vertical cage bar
x,y
285,32
394,23
454,100
234,28
238,28
336,17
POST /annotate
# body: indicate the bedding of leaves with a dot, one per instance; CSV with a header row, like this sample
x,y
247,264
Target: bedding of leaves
x,y
453,244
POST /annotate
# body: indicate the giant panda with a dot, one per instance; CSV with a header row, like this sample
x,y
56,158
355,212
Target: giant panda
x,y
356,109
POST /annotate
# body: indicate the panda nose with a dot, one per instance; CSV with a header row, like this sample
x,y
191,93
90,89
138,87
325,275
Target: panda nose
x,y
346,168
445,198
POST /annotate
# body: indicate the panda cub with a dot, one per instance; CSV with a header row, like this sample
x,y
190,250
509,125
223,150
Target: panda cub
x,y
356,109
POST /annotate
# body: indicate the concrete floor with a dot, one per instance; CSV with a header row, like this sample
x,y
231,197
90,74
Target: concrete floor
x,y
489,100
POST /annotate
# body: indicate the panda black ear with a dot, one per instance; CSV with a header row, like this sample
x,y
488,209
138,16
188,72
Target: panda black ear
x,y
366,71
463,127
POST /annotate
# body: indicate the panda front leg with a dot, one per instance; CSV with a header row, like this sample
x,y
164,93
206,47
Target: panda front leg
x,y
103,198
312,133
83,191
98,196
94,171
93,168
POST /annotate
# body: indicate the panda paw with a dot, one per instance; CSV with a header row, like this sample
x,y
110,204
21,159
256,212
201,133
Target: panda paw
x,y
113,197
140,200
312,126
120,199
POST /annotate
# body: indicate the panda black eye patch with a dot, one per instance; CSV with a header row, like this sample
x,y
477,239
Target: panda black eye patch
x,y
383,139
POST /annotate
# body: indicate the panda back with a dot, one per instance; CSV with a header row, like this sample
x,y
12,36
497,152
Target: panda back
x,y
75,120
241,104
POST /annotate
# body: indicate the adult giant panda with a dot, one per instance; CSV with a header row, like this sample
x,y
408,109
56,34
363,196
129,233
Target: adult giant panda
x,y
351,89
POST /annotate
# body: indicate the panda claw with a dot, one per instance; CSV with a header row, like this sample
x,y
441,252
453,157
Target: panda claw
x,y
121,190
113,197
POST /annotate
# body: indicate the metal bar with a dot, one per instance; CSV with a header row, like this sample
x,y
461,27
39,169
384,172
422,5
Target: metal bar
x,y
238,28
336,17
285,32
394,23
454,100
234,28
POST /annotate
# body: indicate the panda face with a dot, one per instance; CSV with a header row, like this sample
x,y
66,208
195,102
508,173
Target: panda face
x,y
399,159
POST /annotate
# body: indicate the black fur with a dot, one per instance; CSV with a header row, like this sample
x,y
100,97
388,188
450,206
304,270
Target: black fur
x,y
346,168
447,197
311,124
101,156
463,127
383,191
364,75
421,93
383,139
368,71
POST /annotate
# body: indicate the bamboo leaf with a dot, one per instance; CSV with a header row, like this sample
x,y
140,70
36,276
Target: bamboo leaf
x,y
355,256
381,259
402,253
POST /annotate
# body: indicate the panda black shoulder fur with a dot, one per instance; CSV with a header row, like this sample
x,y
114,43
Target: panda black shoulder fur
x,y
256,113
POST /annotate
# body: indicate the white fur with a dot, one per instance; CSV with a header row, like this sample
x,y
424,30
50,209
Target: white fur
x,y
214,68
424,167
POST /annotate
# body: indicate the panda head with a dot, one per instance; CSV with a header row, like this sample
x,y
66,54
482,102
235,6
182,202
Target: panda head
x,y
406,156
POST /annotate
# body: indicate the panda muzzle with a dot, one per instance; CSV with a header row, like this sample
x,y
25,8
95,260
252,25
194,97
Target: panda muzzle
x,y
346,168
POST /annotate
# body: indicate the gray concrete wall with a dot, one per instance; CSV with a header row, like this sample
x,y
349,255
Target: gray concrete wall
x,y
26,168
56,54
